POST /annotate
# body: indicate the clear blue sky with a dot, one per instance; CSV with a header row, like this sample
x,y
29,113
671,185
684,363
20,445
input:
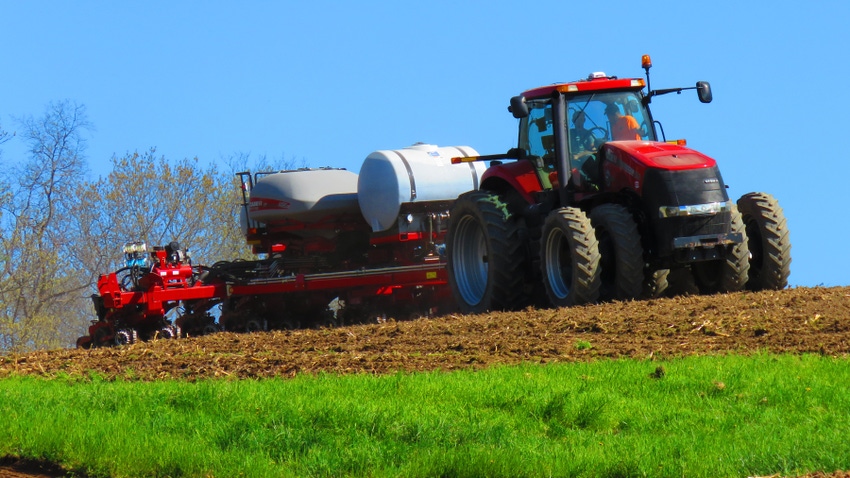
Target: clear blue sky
x,y
329,82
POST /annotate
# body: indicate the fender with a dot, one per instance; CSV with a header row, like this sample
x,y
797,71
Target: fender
x,y
520,176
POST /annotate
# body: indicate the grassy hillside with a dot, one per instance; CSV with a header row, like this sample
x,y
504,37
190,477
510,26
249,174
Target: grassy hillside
x,y
745,384
699,416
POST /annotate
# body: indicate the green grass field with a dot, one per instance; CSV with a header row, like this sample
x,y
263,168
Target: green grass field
x,y
698,416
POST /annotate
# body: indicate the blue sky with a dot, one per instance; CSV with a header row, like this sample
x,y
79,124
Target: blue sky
x,y
328,82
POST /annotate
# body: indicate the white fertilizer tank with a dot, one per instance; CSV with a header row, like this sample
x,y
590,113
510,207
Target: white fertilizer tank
x,y
421,173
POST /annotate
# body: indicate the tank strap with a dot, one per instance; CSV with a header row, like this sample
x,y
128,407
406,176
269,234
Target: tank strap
x,y
471,167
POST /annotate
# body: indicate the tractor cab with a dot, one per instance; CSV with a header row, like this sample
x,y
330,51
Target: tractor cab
x,y
595,110
564,125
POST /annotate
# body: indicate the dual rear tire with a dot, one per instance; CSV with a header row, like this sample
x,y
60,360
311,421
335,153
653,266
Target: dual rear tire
x,y
489,259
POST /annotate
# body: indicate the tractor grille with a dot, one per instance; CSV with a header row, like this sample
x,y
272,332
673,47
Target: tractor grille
x,y
665,188
697,225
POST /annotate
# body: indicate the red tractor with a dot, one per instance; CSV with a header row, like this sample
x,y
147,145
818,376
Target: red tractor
x,y
598,207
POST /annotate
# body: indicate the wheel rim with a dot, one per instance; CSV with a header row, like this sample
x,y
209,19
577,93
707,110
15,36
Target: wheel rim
x,y
558,263
169,332
470,261
123,337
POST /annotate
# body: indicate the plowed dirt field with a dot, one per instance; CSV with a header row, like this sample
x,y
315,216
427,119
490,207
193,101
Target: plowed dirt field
x,y
799,320
796,320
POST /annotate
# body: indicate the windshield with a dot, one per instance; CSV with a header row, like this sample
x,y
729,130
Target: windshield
x,y
600,117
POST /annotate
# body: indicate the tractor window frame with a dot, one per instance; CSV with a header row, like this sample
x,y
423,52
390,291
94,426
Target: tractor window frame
x,y
539,124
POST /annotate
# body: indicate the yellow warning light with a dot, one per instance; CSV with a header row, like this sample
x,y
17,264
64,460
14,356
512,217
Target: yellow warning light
x,y
464,159
646,62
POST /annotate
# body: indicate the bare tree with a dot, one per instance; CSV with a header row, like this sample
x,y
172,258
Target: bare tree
x,y
4,136
38,281
149,198
59,232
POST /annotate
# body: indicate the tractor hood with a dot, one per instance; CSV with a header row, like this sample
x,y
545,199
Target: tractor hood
x,y
626,165
658,155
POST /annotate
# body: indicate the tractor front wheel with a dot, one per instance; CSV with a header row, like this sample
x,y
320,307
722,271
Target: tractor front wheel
x,y
730,273
620,250
569,258
768,240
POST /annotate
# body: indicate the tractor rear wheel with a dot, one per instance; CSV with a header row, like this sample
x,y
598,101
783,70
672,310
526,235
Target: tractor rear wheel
x,y
621,254
768,240
485,254
569,258
730,273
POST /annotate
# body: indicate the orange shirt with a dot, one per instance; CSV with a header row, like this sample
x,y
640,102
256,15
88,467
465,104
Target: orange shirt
x,y
625,127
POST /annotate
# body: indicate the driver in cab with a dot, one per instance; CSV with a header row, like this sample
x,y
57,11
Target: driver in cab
x,y
582,141
583,146
622,127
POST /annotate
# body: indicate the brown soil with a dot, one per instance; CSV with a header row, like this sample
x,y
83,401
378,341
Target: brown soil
x,y
800,320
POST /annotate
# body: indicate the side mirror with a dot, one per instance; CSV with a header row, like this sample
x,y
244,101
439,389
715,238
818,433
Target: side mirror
x,y
704,91
518,107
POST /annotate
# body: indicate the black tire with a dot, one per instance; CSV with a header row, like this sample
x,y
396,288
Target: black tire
x,y
84,342
569,258
656,283
485,254
621,253
126,337
729,274
100,337
169,332
768,240
680,281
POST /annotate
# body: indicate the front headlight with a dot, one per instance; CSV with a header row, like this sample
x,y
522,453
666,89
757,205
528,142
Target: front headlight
x,y
709,209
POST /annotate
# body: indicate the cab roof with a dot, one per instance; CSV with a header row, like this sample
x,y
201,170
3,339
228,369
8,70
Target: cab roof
x,y
594,82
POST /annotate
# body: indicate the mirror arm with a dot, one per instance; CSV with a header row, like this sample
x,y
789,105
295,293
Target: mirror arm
x,y
670,90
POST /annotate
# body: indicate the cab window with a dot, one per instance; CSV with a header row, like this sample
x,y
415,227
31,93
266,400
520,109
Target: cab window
x,y
608,117
538,138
